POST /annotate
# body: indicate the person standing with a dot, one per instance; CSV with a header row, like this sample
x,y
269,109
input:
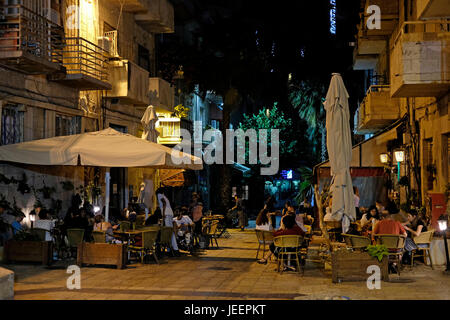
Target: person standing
x,y
356,199
241,213
167,215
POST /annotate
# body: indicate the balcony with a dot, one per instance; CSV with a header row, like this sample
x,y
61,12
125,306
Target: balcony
x,y
29,43
86,65
420,59
159,17
162,95
131,5
378,110
433,9
169,130
130,83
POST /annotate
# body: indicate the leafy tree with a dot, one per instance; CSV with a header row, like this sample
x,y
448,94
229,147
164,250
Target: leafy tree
x,y
307,98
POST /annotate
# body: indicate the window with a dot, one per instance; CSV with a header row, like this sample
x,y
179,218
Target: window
x,y
66,126
119,128
144,58
12,124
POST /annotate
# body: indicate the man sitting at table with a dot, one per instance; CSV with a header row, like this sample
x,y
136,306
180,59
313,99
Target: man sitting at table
x,y
183,222
288,227
388,225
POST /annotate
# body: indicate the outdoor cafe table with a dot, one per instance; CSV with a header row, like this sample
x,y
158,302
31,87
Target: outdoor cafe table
x,y
127,236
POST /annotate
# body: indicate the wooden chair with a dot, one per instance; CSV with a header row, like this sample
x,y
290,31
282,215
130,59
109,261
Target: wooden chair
x,y
331,227
423,242
74,238
148,245
288,246
99,236
166,238
264,238
356,242
125,226
395,244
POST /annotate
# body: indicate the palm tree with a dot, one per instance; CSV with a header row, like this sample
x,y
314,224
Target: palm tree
x,y
308,99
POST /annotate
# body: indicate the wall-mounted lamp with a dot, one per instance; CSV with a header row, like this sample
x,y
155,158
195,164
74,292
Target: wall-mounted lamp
x,y
32,216
399,155
384,158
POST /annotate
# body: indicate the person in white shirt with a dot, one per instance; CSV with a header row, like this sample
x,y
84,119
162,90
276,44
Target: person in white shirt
x,y
183,222
263,221
167,214
45,223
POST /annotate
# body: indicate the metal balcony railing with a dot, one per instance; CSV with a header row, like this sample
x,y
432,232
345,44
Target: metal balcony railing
x,y
81,56
28,32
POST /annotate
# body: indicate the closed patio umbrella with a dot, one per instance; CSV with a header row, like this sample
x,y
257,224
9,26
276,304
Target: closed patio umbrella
x,y
148,121
339,145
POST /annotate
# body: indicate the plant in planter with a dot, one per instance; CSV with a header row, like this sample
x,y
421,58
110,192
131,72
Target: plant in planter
x,y
47,191
181,111
377,251
23,187
67,185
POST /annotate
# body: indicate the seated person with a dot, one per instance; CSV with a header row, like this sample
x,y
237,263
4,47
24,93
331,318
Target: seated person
x,y
101,225
263,221
329,215
45,223
288,227
16,226
182,222
369,220
154,218
414,227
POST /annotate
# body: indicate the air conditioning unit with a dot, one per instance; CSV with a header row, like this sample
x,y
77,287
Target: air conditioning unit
x,y
113,37
104,43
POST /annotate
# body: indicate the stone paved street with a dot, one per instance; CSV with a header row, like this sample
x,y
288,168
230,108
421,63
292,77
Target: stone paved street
x,y
230,272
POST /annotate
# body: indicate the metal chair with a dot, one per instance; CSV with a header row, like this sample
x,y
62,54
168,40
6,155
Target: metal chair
x,y
331,227
125,226
166,238
356,242
39,233
395,244
423,242
288,246
211,232
148,245
74,238
264,238
99,236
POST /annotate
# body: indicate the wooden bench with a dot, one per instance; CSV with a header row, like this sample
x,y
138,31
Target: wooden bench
x,y
29,251
102,254
352,266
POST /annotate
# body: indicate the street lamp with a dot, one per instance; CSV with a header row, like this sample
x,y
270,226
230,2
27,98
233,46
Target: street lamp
x,y
443,224
32,218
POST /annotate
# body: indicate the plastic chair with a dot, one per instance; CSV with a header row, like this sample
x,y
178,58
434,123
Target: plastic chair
x,y
148,244
423,242
288,246
395,244
357,242
74,238
99,236
264,238
125,226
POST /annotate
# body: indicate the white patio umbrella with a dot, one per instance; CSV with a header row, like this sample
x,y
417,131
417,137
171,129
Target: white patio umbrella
x,y
148,121
106,148
339,145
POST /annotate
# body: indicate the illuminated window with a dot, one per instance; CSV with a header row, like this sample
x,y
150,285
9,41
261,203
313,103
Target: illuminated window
x,y
12,124
333,16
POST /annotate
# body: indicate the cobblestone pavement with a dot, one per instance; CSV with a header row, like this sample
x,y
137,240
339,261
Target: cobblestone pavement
x,y
230,272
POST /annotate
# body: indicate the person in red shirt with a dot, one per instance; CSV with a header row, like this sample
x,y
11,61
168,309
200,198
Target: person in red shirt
x,y
387,225
288,227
